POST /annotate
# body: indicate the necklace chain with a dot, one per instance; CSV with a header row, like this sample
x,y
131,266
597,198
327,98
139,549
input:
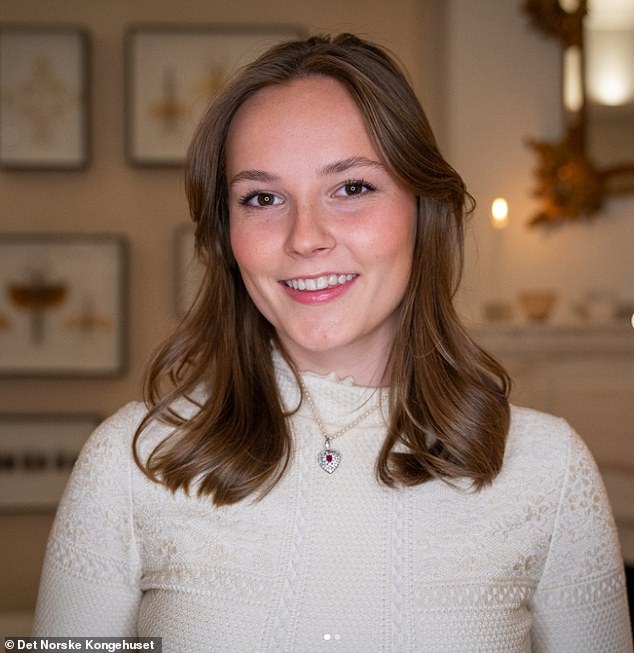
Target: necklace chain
x,y
328,437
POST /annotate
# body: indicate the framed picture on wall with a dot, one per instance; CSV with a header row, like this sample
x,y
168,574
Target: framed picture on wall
x,y
188,269
44,98
37,453
172,73
62,305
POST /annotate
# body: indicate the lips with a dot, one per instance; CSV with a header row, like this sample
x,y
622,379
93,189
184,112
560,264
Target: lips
x,y
319,283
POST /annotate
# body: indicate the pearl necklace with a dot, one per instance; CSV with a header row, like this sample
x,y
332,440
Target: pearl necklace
x,y
329,459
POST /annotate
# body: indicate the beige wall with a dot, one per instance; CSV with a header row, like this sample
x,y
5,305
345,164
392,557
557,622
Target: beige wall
x,y
146,205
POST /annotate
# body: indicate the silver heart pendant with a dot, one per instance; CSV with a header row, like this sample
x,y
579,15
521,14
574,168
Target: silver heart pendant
x,y
329,460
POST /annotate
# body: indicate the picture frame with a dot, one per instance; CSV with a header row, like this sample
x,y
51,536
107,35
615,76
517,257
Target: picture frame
x,y
172,73
188,270
44,98
37,454
63,305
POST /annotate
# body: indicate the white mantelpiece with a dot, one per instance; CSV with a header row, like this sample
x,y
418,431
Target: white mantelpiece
x,y
585,374
539,341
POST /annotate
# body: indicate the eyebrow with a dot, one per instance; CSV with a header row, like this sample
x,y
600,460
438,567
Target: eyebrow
x,y
253,175
337,167
353,162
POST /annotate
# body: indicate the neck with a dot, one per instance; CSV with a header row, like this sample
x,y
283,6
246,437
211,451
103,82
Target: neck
x,y
365,370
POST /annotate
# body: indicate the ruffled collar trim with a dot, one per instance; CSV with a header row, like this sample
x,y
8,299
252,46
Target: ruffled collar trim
x,y
336,398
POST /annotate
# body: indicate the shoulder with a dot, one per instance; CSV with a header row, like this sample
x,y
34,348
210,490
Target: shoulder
x,y
106,462
113,438
105,459
91,538
117,428
552,477
538,426
109,447
106,477
537,436
544,452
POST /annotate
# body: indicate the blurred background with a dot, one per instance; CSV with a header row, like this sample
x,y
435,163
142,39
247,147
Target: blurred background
x,y
554,301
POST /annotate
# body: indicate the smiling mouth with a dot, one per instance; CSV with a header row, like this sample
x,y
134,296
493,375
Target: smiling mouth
x,y
319,283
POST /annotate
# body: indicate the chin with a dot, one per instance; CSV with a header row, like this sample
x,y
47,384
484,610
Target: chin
x,y
314,344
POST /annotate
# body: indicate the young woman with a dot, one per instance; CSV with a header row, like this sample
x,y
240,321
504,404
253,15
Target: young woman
x,y
325,460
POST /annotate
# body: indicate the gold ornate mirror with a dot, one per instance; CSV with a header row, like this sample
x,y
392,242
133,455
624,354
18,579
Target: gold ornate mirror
x,y
595,157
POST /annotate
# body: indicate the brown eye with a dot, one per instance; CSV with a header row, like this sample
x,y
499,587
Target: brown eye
x,y
265,199
354,188
260,200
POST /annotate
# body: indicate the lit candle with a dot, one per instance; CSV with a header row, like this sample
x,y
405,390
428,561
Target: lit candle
x,y
500,213
496,307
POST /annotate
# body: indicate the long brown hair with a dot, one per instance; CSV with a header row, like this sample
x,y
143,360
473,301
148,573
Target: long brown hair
x,y
449,399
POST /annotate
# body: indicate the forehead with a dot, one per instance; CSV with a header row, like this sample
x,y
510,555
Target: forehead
x,y
302,118
301,92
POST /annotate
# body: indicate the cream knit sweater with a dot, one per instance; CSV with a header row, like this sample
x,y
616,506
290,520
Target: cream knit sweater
x,y
337,562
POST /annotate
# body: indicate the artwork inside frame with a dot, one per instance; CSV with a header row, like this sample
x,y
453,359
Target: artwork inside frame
x,y
44,98
37,453
189,270
173,72
62,305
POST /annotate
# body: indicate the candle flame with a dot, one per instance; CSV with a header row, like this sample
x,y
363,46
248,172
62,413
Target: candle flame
x,y
500,213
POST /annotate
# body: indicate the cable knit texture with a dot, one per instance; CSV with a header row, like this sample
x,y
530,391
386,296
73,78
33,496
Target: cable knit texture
x,y
338,562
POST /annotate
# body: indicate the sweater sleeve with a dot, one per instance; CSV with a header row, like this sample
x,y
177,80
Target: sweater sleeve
x,y
90,579
581,602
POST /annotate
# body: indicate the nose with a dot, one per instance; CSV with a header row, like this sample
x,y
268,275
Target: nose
x,y
309,231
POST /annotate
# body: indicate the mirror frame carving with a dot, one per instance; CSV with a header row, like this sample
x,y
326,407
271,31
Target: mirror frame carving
x,y
569,185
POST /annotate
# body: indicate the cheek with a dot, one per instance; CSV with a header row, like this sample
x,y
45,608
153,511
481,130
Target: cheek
x,y
248,257
239,250
393,241
397,250
244,247
255,244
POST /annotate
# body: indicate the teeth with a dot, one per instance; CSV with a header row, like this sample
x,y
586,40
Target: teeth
x,y
320,283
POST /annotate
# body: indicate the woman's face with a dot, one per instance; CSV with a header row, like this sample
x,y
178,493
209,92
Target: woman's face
x,y
321,232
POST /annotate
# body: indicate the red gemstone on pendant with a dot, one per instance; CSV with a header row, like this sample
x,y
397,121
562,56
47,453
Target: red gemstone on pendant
x,y
328,457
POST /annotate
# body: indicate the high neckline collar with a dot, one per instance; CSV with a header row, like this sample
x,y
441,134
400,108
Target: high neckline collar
x,y
336,398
